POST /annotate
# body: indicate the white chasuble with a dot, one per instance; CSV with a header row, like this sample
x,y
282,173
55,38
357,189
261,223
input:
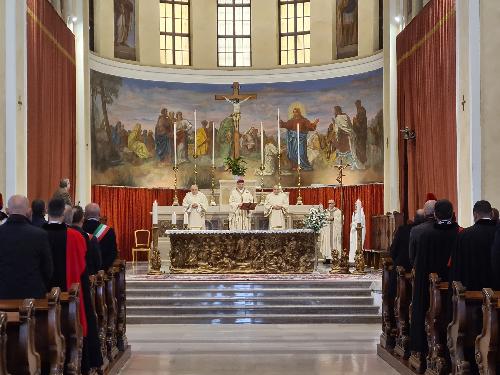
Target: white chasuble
x,y
239,219
330,234
276,208
196,215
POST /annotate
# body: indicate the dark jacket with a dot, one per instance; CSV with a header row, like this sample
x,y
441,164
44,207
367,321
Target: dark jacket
x,y
415,233
25,260
109,250
495,259
38,221
93,257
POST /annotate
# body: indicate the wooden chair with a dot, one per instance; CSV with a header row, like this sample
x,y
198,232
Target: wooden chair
x,y
142,243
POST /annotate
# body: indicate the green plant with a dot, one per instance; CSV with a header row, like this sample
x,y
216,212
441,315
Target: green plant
x,y
235,165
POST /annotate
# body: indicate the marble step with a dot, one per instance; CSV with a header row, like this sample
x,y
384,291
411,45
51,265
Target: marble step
x,y
249,285
247,301
256,319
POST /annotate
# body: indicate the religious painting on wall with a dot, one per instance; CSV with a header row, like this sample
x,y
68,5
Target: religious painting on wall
x,y
125,29
347,28
133,141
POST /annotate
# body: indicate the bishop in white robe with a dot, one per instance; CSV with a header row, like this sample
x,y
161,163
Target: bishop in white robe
x,y
331,234
358,216
239,219
276,208
195,204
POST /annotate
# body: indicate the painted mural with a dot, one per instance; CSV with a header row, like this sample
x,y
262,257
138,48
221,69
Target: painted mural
x,y
124,29
132,129
347,28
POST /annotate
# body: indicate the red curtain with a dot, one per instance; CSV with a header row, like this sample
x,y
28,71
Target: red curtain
x,y
426,93
128,209
51,100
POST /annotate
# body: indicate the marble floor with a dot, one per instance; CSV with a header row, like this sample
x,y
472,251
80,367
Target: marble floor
x,y
312,349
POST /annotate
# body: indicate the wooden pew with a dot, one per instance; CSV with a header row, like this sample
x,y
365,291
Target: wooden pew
x,y
112,349
464,328
402,313
389,329
72,329
487,351
3,343
121,305
22,357
102,315
436,324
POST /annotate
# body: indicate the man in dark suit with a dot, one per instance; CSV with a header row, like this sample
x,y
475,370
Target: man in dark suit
x,y
38,213
25,258
93,256
105,235
418,230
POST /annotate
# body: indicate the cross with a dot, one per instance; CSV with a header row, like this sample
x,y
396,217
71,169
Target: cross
x,y
236,98
463,102
341,167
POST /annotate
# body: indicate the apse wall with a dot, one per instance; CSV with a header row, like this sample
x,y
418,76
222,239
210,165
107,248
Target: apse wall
x,y
128,99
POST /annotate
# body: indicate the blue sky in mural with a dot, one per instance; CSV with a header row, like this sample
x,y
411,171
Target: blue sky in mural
x,y
140,101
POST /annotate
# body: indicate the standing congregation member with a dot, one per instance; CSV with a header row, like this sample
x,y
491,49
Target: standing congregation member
x,y
93,255
3,215
276,208
63,192
38,212
239,219
25,259
195,204
105,234
417,230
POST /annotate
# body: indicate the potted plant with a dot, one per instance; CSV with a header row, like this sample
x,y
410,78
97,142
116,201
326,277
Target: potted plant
x,y
236,166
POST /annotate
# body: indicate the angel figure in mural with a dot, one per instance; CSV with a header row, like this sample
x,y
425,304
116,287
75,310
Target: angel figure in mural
x,y
123,17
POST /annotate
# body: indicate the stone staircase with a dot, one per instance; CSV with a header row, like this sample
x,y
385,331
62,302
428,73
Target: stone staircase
x,y
230,302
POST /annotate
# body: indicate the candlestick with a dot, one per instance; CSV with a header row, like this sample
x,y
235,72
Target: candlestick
x,y
299,197
155,212
195,157
155,258
279,150
213,145
176,200
195,126
174,220
261,143
212,199
175,143
261,185
298,146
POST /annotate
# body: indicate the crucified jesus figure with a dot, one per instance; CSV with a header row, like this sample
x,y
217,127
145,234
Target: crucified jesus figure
x,y
237,103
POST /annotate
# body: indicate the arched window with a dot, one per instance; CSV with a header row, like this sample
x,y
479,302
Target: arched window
x,y
233,33
295,31
174,32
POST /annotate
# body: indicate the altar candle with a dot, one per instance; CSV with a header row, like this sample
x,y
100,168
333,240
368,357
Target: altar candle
x,y
155,212
213,145
195,145
261,144
174,218
298,146
175,144
279,138
186,218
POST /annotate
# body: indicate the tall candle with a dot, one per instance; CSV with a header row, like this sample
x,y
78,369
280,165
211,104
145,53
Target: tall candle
x,y
195,145
279,133
175,144
213,144
261,144
298,145
155,212
174,218
186,218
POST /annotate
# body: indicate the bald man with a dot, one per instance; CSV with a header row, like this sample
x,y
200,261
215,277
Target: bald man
x,y
25,258
195,204
105,235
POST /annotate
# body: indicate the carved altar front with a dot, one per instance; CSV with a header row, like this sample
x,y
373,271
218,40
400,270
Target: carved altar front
x,y
259,251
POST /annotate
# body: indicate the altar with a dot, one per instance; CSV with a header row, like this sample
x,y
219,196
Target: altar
x,y
256,251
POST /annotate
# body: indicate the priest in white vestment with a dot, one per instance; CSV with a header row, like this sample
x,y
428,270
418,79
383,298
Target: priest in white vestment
x,y
239,219
331,233
276,208
358,216
195,204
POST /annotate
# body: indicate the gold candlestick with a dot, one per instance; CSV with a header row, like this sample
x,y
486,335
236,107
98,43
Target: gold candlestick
x,y
261,185
195,157
176,199
155,258
279,168
212,199
299,198
359,259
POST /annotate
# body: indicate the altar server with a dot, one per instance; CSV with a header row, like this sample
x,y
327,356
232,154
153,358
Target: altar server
x,y
239,219
276,208
195,205
330,235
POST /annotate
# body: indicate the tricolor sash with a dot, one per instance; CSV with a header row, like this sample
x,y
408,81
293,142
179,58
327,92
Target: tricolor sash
x,y
101,231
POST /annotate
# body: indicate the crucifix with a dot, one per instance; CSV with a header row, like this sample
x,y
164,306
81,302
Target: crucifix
x,y
236,99
463,102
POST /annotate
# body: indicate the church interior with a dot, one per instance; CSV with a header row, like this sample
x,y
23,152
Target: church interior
x,y
249,187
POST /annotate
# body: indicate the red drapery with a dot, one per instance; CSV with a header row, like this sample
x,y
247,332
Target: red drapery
x,y
426,103
128,209
51,100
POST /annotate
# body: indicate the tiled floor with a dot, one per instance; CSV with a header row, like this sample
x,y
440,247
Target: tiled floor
x,y
255,349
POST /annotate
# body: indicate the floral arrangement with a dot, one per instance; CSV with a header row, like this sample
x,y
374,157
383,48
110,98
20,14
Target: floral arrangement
x,y
235,165
316,219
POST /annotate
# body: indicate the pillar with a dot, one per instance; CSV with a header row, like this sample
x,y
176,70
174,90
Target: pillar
x,y
148,32
104,28
367,27
264,27
203,34
322,36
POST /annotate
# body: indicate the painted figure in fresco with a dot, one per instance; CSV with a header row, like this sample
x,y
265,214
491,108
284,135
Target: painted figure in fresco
x,y
161,136
345,138
347,23
270,158
360,125
123,16
249,140
183,127
330,142
313,146
202,139
136,145
305,126
150,142
225,137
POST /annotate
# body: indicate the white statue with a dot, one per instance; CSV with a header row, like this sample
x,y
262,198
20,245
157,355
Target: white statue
x,y
276,208
358,216
331,233
195,204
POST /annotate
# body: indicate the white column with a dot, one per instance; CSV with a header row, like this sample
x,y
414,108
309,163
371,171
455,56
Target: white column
x,y
367,27
104,28
15,101
83,172
391,132
204,34
148,32
265,27
322,37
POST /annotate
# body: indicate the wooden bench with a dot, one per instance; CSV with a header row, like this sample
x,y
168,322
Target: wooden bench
x,y
102,315
389,328
373,258
112,349
402,313
463,329
487,351
121,305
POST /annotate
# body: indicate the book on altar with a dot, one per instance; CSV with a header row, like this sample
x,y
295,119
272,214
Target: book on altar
x,y
248,206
